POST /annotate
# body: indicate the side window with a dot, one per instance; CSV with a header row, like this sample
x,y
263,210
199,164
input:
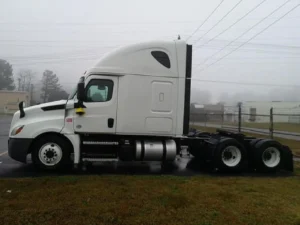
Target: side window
x,y
99,90
162,58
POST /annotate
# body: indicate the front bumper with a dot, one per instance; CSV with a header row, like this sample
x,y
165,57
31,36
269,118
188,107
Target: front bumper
x,y
18,148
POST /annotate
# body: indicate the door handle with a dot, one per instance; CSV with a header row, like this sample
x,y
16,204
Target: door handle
x,y
110,122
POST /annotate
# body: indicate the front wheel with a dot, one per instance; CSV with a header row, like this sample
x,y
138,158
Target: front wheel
x,y
51,152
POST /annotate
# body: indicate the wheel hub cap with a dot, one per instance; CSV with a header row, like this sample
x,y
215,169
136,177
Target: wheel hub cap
x,y
231,156
271,157
50,154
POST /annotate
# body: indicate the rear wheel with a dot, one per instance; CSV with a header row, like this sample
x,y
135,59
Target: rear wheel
x,y
230,155
51,152
267,155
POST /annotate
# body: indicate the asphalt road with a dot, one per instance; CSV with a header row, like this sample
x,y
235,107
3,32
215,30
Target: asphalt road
x,y
280,134
185,166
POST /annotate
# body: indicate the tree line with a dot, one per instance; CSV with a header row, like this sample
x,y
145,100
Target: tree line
x,y
51,90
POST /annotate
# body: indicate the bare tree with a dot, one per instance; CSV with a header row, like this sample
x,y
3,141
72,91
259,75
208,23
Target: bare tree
x,y
25,79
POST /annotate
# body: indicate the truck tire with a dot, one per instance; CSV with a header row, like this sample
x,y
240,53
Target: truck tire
x,y
51,152
267,155
250,152
230,156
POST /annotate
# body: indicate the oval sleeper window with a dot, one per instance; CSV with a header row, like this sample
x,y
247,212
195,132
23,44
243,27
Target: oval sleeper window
x,y
162,58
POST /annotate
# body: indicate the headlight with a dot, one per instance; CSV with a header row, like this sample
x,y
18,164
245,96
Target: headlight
x,y
16,130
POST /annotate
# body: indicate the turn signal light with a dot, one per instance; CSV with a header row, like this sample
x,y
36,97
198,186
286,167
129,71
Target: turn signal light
x,y
17,130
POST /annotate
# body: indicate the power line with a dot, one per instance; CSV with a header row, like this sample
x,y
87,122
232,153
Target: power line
x,y
272,59
52,41
149,30
256,24
98,23
55,62
95,50
253,36
255,46
51,56
57,56
263,53
263,63
205,20
269,45
227,82
96,55
290,50
24,62
114,23
216,24
254,8
216,45
243,83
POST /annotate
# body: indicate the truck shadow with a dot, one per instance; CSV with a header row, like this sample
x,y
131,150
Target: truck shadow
x,y
181,167
197,166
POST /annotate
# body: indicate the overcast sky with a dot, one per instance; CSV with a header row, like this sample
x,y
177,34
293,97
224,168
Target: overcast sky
x,y
68,36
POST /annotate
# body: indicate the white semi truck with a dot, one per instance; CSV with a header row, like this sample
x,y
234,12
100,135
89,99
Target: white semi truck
x,y
134,105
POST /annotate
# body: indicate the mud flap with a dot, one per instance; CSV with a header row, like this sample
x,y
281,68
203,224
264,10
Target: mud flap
x,y
287,159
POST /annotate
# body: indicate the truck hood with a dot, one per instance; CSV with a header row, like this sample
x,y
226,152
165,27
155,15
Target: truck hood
x,y
42,115
48,106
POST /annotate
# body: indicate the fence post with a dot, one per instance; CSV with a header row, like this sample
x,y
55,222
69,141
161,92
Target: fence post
x,y
240,117
271,123
222,119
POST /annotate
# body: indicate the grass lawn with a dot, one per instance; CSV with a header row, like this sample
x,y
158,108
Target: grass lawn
x,y
277,126
293,144
151,200
198,200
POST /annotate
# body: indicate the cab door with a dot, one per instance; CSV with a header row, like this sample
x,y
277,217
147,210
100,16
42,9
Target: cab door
x,y
100,106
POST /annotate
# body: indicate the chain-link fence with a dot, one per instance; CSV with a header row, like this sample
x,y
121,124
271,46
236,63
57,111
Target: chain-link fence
x,y
237,118
286,122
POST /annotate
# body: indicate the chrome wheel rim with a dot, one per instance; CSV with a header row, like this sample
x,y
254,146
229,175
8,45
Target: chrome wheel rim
x,y
271,157
50,154
231,156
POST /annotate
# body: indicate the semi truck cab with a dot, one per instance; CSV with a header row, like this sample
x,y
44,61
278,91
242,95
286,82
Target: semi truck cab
x,y
135,92
133,105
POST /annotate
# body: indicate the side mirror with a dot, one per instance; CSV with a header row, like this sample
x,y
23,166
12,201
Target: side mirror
x,y
21,108
81,90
